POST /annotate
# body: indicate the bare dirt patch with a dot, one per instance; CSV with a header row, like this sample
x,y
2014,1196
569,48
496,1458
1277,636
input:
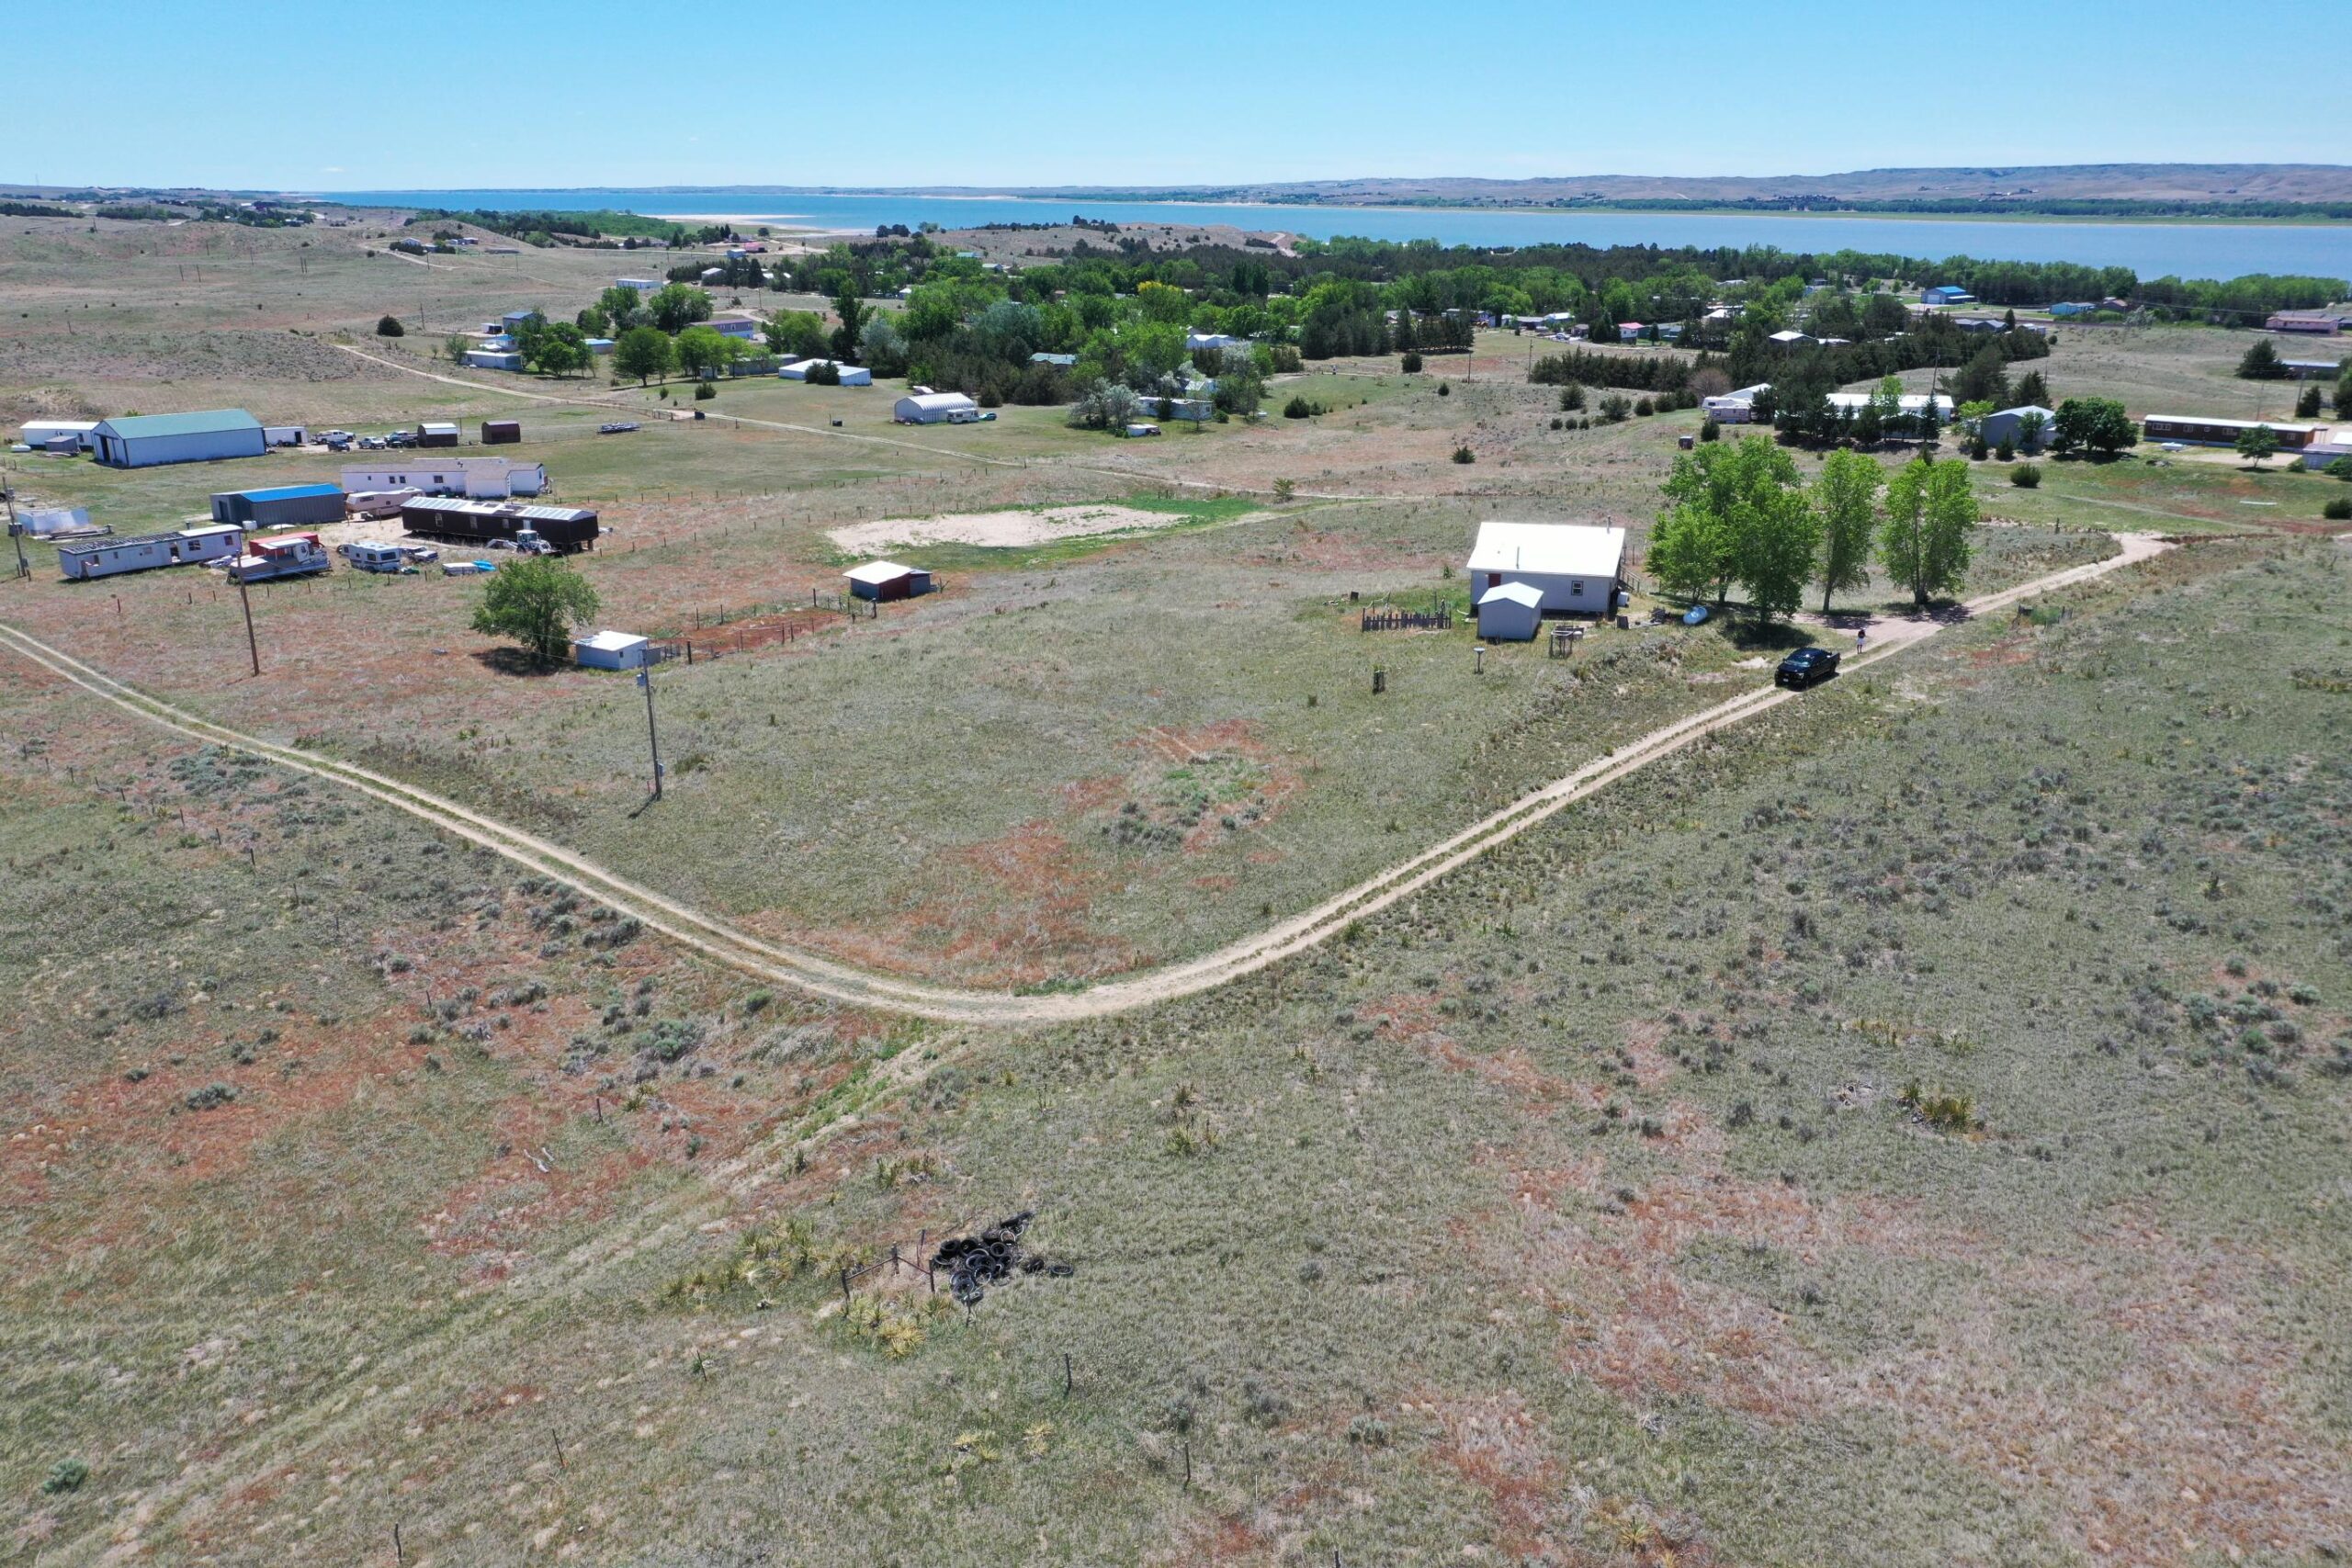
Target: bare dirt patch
x,y
1013,529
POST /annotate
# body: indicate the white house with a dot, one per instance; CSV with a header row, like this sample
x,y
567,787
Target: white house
x,y
109,558
1910,405
492,479
1573,568
935,408
494,358
642,285
1195,341
611,651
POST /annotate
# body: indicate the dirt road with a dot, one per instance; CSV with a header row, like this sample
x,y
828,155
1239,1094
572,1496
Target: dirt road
x,y
727,944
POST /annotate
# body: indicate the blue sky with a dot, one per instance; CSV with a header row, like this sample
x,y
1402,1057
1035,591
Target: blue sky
x,y
491,93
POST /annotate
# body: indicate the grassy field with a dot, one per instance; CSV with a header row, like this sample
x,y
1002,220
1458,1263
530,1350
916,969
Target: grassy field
x,y
1906,1128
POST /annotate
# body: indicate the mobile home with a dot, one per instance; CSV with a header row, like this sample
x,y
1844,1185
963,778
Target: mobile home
x,y
111,558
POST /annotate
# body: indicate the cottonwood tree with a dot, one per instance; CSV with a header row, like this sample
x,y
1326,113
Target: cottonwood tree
x,y
2098,424
537,602
1845,497
675,307
1737,517
644,352
852,311
1930,527
704,351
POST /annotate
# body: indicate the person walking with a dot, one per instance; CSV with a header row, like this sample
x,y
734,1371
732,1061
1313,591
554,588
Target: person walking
x,y
1861,635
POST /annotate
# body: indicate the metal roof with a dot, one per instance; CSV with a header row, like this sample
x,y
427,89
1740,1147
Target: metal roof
x,y
203,422
1552,550
880,572
1525,593
286,492
114,542
500,509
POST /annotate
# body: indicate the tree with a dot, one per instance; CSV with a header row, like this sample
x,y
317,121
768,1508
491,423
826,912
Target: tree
x,y
2098,423
882,345
454,347
1845,495
593,321
704,351
1984,379
1737,517
2031,391
560,348
1930,525
644,352
1105,405
390,326
2257,444
535,601
2307,401
852,311
2344,395
795,334
675,307
2260,362
2339,469
623,307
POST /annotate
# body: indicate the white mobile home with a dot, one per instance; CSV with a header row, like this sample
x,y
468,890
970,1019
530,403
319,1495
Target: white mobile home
x,y
145,441
111,558
1573,568
1734,408
42,432
484,479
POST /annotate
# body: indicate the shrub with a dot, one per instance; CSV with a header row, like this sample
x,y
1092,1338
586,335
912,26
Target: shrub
x,y
1571,397
1286,360
705,390
1556,422
1410,365
1615,407
1645,408
1978,450
1464,455
2026,476
65,1475
2007,451
2337,511
390,326
1296,408
1710,431
1445,390
2339,469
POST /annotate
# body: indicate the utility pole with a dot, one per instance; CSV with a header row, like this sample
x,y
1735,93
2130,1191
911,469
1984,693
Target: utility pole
x,y
15,535
652,740
245,599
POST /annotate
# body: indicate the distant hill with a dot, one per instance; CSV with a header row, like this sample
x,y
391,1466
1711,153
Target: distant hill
x,y
2154,189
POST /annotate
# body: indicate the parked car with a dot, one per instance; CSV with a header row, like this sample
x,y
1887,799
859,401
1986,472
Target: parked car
x,y
618,427
1806,666
371,444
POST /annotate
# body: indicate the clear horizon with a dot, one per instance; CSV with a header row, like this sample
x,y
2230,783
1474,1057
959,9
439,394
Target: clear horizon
x,y
597,94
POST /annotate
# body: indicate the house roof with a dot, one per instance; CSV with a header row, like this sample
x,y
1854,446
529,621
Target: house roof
x,y
1552,550
2050,414
438,427
878,571
286,492
201,422
609,642
1513,593
939,401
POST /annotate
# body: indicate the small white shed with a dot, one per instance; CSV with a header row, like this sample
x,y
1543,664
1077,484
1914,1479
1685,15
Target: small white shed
x,y
1512,611
611,651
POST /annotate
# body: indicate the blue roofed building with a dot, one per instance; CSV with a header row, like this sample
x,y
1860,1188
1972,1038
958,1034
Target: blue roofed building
x,y
279,506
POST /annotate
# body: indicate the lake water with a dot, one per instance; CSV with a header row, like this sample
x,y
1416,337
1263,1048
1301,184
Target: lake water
x,y
2152,250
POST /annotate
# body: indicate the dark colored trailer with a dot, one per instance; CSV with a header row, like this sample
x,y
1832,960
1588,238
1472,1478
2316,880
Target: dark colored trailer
x,y
501,432
437,433
458,521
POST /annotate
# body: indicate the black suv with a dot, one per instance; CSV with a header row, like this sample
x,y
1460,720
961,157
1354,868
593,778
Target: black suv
x,y
1805,667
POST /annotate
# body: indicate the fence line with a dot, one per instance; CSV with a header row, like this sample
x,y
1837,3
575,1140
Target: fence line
x,y
1392,620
